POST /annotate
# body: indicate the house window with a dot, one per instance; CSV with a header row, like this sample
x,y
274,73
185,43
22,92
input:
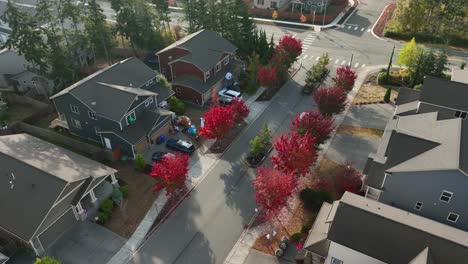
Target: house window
x,y
74,109
207,75
92,115
149,101
418,206
273,4
97,130
131,118
218,67
452,217
226,60
336,261
461,114
76,123
260,2
446,196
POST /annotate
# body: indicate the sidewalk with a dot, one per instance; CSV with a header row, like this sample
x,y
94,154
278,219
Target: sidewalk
x,y
242,252
196,174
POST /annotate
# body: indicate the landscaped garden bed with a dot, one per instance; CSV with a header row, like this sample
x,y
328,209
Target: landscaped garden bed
x,y
260,147
316,75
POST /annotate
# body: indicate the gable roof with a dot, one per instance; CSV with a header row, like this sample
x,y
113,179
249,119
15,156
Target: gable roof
x,y
407,95
445,93
54,160
393,235
118,83
206,48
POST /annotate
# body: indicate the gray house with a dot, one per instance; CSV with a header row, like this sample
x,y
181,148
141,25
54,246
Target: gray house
x,y
116,107
357,230
421,164
44,190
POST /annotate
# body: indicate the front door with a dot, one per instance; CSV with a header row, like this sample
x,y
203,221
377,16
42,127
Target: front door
x,y
107,142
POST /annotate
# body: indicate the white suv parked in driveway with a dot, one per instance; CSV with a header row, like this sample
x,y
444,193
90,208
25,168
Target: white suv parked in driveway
x,y
226,96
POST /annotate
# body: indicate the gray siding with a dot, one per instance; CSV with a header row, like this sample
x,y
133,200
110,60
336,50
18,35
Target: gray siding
x,y
403,190
140,108
443,113
118,142
87,124
57,229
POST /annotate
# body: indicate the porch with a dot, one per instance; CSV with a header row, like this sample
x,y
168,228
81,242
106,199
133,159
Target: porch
x,y
60,122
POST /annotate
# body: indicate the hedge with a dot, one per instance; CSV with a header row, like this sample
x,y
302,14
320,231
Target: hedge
x,y
425,38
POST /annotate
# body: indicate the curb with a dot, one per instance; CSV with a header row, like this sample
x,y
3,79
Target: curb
x,y
377,21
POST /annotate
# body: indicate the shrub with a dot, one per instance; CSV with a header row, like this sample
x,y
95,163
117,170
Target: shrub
x,y
140,163
124,191
345,78
313,199
104,217
297,237
330,101
256,146
382,78
418,86
462,65
176,105
387,95
106,206
305,228
46,260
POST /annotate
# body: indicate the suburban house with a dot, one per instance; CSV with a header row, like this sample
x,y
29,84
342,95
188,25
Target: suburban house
x,y
271,4
356,230
44,190
198,63
460,75
28,6
426,142
16,75
116,107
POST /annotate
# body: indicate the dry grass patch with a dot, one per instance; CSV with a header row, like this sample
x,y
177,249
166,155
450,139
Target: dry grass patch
x,y
360,131
372,93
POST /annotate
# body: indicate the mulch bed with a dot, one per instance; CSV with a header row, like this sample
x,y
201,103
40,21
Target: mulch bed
x,y
254,162
384,19
222,144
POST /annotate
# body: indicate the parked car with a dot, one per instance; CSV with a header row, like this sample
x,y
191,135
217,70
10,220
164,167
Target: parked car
x,y
226,96
158,156
180,145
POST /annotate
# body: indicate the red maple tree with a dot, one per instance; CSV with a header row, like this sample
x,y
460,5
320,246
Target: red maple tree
x,y
345,78
273,189
330,101
240,109
218,121
291,46
295,153
268,76
350,179
318,126
170,173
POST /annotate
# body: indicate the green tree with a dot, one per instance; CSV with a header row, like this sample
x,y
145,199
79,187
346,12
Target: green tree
x,y
262,48
252,73
409,54
162,9
97,31
46,260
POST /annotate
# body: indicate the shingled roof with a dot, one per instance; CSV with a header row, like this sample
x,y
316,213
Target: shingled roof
x,y
445,93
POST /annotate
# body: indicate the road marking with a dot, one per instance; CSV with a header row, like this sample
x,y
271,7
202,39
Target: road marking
x,y
343,62
363,66
308,41
356,65
356,28
362,29
305,57
368,30
317,58
337,60
349,27
311,57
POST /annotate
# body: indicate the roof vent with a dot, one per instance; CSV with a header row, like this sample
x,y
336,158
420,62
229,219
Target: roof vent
x,y
93,103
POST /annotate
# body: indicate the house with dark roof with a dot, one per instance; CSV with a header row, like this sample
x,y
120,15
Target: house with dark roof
x,y
117,107
362,231
45,190
198,63
421,164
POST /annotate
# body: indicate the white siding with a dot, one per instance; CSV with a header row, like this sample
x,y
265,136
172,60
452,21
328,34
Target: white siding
x,y
349,256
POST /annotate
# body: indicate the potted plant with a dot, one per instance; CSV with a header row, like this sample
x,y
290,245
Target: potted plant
x,y
260,146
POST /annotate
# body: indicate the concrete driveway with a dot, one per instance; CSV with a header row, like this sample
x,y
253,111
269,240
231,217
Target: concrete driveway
x,y
371,116
86,242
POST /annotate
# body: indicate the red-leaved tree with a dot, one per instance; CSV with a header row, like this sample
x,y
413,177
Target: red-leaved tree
x,y
345,78
318,126
170,173
330,101
291,46
240,109
350,179
273,189
295,153
268,76
218,121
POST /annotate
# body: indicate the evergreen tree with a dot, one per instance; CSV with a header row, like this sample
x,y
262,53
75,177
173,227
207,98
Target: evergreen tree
x,y
440,65
263,48
97,31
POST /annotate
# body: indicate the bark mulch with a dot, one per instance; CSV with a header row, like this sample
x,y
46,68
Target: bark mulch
x,y
360,131
222,144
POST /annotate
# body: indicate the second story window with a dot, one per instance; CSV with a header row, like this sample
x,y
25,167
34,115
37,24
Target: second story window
x,y
226,60
149,101
131,118
446,196
76,123
260,2
74,109
418,206
207,75
218,67
460,114
92,115
452,217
